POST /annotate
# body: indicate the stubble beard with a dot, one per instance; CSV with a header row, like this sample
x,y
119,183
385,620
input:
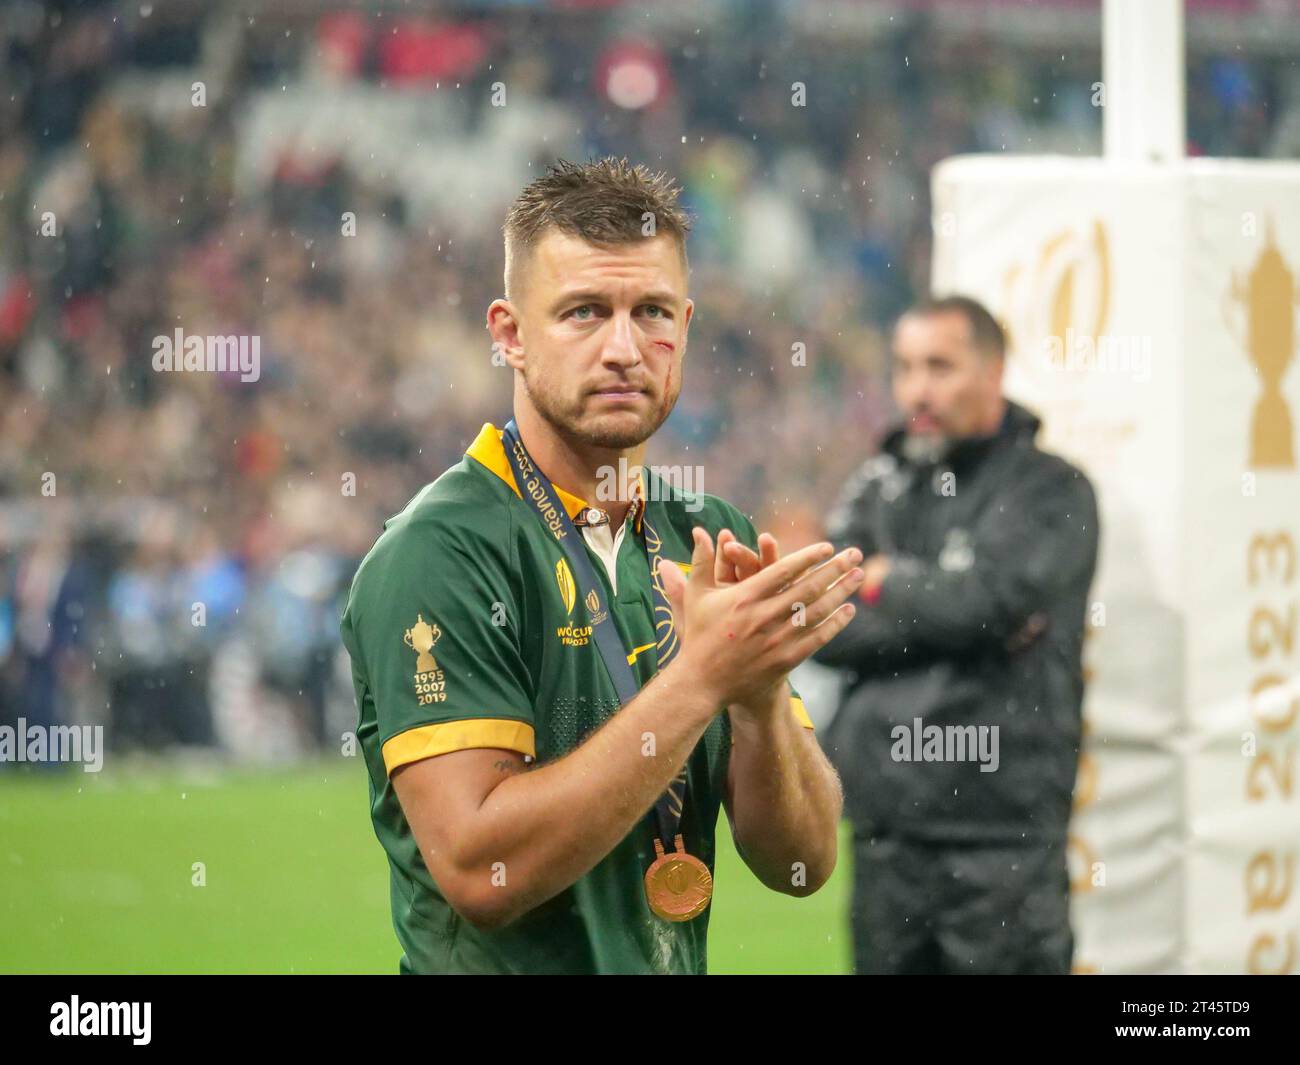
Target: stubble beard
x,y
612,431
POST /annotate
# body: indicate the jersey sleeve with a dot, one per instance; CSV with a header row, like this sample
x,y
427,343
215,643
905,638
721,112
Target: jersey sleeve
x,y
734,520
433,629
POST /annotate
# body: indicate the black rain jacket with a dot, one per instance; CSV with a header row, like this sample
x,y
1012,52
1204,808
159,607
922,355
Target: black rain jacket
x,y
980,622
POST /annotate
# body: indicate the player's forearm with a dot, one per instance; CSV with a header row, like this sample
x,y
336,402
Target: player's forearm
x,y
551,825
786,800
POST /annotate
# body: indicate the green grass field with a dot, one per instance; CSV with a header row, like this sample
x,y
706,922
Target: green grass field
x,y
96,871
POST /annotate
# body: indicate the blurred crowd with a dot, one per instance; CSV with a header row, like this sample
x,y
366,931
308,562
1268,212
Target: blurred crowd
x,y
176,547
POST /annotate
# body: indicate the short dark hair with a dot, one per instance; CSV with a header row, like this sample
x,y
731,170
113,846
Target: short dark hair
x,y
986,332
603,201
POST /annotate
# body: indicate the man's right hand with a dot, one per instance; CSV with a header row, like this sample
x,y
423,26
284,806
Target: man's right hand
x,y
744,637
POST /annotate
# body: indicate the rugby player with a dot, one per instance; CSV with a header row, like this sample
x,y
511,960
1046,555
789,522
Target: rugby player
x,y
564,666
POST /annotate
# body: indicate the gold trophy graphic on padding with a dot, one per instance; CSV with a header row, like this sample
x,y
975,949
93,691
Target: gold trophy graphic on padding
x,y
1269,297
420,638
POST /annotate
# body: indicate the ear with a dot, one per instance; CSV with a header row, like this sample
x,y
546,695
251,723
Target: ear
x,y
503,323
686,322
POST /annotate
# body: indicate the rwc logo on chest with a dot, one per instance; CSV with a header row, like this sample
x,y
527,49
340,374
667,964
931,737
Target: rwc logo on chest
x,y
574,635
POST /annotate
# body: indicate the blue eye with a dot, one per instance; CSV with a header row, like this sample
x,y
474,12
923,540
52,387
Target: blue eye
x,y
577,311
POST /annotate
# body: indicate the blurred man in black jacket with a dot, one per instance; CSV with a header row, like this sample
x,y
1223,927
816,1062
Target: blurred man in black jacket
x,y
958,737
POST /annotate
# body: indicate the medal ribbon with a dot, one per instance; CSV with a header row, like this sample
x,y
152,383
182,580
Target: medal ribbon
x,y
536,489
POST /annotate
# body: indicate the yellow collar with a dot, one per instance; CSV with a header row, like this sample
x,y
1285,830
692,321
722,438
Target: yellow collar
x,y
488,451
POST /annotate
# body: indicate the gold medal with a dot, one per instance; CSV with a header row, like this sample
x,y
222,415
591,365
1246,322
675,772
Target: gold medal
x,y
678,886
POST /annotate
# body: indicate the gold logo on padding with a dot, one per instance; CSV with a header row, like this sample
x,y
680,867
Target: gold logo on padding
x,y
420,638
1066,289
593,601
568,590
1269,297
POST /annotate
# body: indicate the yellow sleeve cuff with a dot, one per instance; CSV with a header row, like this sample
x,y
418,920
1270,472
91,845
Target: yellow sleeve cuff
x,y
427,741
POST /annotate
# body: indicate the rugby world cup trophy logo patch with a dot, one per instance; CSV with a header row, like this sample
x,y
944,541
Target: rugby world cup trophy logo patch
x,y
420,638
593,607
1268,295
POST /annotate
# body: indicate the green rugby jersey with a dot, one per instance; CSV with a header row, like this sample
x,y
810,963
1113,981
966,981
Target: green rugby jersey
x,y
465,630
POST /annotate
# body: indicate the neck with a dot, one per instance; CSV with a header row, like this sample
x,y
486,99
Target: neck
x,y
580,469
996,413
